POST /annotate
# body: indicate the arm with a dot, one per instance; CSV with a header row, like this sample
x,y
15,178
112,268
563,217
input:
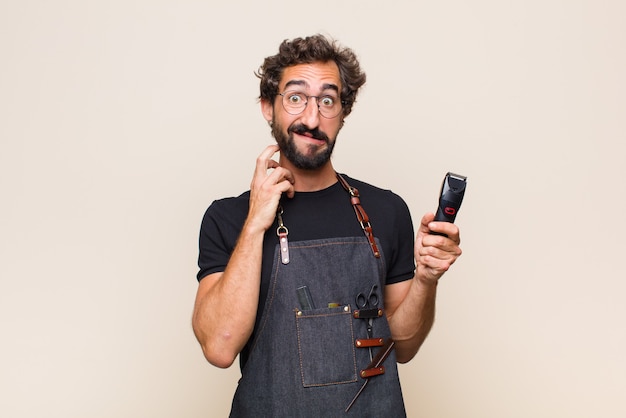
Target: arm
x,y
226,303
410,305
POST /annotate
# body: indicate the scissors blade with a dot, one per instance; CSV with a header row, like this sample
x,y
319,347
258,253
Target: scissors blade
x,y
357,395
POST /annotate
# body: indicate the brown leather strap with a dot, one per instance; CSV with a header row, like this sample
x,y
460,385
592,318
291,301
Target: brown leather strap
x,y
369,342
374,371
360,214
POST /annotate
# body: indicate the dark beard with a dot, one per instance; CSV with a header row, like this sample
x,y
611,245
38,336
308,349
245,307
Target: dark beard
x,y
289,150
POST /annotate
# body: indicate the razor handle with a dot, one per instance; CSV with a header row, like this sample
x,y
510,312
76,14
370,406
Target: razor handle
x,y
450,199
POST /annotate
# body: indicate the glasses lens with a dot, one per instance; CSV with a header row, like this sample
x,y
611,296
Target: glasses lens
x,y
329,106
294,102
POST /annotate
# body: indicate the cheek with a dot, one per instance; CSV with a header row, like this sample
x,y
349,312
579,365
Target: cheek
x,y
283,119
332,128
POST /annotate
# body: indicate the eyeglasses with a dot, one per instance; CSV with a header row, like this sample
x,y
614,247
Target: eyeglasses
x,y
295,102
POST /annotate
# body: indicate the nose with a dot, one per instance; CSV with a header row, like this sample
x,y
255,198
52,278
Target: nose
x,y
310,116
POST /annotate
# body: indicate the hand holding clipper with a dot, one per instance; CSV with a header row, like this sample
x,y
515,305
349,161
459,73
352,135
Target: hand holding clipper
x,y
452,192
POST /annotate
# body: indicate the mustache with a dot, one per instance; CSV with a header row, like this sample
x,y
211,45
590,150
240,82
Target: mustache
x,y
302,130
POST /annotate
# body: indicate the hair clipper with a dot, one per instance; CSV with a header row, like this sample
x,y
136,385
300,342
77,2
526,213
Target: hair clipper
x,y
452,192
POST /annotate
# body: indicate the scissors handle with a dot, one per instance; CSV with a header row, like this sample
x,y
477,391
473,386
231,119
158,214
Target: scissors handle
x,y
372,298
371,301
361,300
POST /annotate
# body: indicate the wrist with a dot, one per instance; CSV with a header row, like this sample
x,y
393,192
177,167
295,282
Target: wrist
x,y
252,230
257,223
422,280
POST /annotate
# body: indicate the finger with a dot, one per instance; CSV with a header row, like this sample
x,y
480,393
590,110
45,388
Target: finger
x,y
286,186
426,221
281,173
263,163
264,160
269,151
283,177
447,228
447,253
437,265
422,230
271,164
435,255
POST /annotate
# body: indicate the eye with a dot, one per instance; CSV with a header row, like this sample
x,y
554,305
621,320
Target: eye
x,y
327,101
296,98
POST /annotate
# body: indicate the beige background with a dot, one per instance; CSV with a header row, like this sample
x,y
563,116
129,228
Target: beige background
x,y
120,122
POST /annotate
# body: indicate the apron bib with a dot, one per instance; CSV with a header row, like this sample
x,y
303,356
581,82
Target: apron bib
x,y
307,361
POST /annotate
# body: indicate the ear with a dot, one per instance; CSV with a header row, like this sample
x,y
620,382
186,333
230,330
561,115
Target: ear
x,y
267,109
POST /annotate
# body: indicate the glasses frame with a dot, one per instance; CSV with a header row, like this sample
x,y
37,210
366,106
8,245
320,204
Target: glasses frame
x,y
308,97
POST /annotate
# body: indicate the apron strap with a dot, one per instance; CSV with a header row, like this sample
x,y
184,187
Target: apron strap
x,y
361,216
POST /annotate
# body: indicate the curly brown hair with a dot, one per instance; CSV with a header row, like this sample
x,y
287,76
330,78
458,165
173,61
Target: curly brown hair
x,y
316,48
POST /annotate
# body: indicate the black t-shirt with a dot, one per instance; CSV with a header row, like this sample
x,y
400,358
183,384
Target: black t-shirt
x,y
327,213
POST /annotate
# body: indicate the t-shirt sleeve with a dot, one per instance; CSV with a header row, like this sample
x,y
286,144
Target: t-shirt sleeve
x,y
402,263
218,234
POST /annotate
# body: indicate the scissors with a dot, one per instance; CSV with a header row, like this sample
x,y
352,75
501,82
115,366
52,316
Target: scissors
x,y
369,303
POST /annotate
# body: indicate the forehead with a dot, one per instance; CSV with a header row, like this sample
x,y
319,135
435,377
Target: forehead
x,y
315,76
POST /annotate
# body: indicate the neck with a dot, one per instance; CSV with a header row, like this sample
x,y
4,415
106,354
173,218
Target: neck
x,y
311,180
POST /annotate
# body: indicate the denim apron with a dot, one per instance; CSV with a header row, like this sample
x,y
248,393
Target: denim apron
x,y
307,361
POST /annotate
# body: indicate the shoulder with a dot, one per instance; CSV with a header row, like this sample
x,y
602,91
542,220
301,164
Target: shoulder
x,y
226,204
385,208
228,211
373,195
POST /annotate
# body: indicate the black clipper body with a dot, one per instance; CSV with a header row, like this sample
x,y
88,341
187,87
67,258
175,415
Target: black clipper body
x,y
452,192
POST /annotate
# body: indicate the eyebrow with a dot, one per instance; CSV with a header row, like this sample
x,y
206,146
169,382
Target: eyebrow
x,y
326,86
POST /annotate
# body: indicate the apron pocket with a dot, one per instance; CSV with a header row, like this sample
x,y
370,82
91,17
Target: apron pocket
x,y
326,346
